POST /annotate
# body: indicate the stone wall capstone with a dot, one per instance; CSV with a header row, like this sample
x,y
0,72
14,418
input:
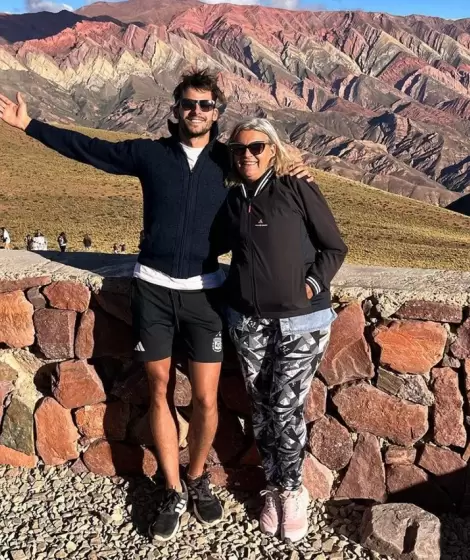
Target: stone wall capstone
x,y
387,414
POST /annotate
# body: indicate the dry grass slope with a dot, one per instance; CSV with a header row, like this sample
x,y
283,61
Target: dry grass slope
x,y
41,189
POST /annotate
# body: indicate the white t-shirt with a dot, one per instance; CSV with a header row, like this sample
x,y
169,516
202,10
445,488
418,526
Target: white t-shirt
x,y
192,154
203,281
6,236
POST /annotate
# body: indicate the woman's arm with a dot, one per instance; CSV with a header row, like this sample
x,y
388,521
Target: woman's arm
x,y
324,234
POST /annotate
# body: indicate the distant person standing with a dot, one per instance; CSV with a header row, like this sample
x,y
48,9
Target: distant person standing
x,y
123,248
62,241
87,242
27,241
6,239
39,242
115,248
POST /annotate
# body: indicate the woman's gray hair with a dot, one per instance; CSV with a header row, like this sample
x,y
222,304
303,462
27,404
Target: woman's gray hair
x,y
282,160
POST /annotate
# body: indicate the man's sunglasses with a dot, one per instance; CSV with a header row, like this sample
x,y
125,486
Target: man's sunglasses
x,y
191,104
255,148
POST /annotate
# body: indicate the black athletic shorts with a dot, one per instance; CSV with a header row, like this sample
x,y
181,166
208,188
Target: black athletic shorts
x,y
161,315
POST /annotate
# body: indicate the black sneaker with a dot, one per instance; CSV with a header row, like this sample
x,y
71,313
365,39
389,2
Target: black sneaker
x,y
206,505
167,521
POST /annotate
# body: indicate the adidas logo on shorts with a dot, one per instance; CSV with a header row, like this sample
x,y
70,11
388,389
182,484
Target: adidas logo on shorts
x,y
139,347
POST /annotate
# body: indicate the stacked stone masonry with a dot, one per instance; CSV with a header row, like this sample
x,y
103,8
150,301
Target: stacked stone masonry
x,y
387,413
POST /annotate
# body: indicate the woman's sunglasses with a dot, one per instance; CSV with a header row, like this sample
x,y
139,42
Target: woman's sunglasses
x,y
204,104
255,148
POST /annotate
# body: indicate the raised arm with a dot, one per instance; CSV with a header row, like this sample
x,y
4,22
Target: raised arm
x,y
112,157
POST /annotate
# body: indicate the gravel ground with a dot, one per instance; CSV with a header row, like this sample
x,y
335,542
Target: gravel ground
x,y
52,513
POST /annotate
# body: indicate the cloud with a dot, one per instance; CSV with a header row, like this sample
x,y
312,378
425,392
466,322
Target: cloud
x,y
46,6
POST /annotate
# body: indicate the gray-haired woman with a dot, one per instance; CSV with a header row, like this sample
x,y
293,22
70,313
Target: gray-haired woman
x,y
286,248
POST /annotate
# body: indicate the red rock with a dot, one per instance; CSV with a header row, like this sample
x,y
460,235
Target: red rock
x,y
115,304
315,405
183,392
111,337
467,377
431,311
331,443
440,461
101,420
84,341
116,458
77,384
403,477
16,458
396,455
245,479
447,412
461,347
16,320
23,284
399,421
385,529
55,330
347,356
68,295
365,477
230,440
409,483
411,346
251,457
37,300
79,467
449,468
317,478
233,392
134,389
56,434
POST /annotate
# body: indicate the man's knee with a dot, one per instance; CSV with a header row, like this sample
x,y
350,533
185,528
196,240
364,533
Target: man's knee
x,y
159,379
206,403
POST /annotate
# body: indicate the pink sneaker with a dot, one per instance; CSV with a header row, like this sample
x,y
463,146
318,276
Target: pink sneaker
x,y
294,516
270,518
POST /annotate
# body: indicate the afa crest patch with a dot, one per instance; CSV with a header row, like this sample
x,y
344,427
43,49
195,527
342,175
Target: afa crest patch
x,y
217,343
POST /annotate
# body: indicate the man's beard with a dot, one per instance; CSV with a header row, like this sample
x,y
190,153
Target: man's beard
x,y
188,133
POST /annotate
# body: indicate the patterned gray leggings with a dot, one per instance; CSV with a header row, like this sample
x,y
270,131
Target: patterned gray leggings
x,y
278,371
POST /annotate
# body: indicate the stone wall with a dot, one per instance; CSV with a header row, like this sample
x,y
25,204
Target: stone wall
x,y
386,414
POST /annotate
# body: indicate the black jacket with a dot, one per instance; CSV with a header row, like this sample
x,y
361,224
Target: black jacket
x,y
179,204
281,236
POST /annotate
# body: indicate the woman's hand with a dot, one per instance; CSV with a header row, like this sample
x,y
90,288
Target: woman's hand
x,y
309,291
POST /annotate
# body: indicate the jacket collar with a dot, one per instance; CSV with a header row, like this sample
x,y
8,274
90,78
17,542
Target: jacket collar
x,y
174,131
260,184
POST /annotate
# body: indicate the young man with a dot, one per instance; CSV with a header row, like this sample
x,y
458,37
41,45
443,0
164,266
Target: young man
x,y
175,281
176,278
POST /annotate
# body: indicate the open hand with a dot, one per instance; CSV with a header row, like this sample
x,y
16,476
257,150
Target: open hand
x,y
301,171
14,114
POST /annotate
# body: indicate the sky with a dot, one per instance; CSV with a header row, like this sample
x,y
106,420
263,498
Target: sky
x,y
452,9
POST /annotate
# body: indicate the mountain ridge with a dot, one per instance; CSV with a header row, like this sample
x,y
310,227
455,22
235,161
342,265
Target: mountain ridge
x,y
378,98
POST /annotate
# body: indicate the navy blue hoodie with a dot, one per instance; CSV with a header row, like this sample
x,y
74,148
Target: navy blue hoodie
x,y
179,204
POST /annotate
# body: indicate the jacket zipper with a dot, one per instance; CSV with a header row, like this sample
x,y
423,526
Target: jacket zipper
x,y
253,283
183,234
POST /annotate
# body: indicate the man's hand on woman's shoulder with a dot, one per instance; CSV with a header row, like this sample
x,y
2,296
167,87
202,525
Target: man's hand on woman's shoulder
x,y
301,171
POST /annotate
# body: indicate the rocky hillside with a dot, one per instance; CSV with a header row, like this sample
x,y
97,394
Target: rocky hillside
x,y
376,98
